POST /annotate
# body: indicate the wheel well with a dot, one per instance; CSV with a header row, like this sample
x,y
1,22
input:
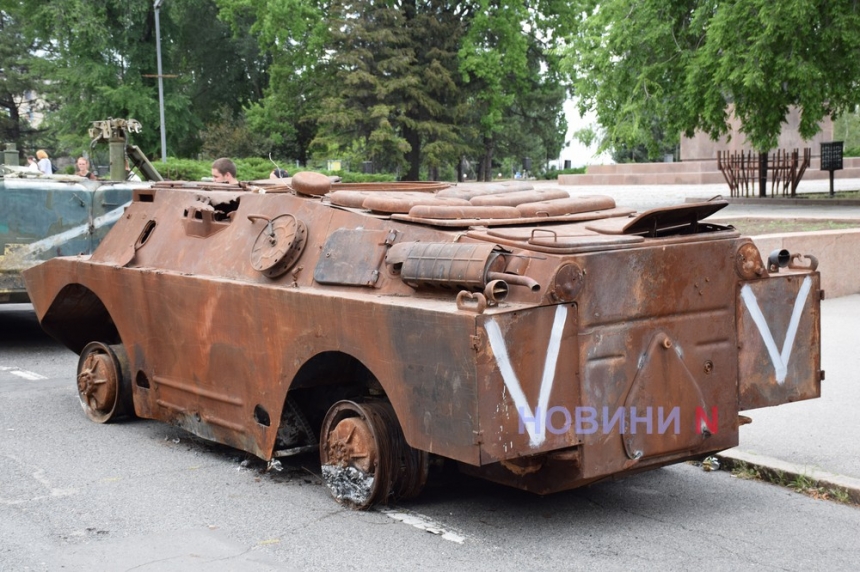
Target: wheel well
x,y
77,316
330,377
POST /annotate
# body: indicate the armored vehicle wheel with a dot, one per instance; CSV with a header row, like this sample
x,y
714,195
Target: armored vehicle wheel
x,y
365,458
103,382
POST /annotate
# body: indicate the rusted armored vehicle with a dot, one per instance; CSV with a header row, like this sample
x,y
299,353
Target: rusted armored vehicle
x,y
537,340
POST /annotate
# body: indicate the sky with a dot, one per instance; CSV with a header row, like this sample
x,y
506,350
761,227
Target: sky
x,y
574,151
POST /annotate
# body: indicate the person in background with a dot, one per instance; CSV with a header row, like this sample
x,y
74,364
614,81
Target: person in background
x,y
32,165
224,171
130,175
279,174
82,169
44,163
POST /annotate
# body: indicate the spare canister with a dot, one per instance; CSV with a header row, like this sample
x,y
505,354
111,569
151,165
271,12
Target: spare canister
x,y
454,265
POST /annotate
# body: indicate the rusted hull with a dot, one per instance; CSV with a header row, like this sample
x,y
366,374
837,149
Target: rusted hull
x,y
545,357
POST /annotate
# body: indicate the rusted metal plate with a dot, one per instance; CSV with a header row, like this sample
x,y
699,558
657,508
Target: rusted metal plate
x,y
519,220
565,206
404,201
529,367
469,212
519,198
779,331
661,342
468,191
341,263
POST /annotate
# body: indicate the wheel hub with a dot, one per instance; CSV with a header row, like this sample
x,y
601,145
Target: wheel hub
x,y
351,444
96,385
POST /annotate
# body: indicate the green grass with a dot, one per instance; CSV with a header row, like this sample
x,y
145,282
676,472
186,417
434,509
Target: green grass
x,y
759,226
803,484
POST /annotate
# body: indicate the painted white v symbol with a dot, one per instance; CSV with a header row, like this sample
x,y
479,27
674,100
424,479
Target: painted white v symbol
x,y
779,359
536,427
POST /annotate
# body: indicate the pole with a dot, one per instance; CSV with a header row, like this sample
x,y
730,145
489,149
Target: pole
x,y
157,6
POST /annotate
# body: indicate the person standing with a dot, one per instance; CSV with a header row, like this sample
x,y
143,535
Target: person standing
x,y
224,171
44,162
82,169
32,165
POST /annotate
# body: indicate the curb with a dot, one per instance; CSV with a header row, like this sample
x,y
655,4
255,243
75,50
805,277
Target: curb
x,y
776,470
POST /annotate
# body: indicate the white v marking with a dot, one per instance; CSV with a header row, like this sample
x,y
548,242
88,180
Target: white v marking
x,y
536,427
779,359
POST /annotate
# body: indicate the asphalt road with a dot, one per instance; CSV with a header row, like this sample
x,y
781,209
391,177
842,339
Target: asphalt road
x,y
140,495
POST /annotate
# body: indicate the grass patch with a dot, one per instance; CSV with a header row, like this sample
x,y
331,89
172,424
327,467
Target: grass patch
x,y
746,472
836,195
803,484
758,226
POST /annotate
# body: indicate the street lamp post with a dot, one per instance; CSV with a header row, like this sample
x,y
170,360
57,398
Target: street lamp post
x,y
157,6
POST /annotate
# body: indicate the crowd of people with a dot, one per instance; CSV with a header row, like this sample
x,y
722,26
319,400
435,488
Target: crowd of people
x,y
41,163
223,169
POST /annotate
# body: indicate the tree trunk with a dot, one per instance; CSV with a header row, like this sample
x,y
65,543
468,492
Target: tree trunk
x,y
487,161
12,130
413,156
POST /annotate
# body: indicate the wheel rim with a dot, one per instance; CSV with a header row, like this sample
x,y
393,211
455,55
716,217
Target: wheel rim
x,y
365,458
350,447
99,378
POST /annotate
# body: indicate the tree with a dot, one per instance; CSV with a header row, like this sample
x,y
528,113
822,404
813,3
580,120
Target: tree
x,y
397,91
291,35
508,61
102,61
21,78
409,84
687,64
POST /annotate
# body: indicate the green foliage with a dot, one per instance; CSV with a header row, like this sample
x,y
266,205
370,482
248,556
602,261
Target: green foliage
x,y
554,173
183,169
685,65
250,169
396,90
100,61
230,137
20,78
291,35
350,177
414,86
846,128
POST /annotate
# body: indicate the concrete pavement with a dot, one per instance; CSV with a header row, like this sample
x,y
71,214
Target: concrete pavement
x,y
816,440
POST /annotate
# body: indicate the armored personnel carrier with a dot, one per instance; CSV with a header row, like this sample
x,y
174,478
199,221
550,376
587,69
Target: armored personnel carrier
x,y
537,340
45,216
42,216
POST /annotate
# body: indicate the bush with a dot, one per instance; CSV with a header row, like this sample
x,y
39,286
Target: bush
x,y
183,169
851,152
349,177
250,169
554,173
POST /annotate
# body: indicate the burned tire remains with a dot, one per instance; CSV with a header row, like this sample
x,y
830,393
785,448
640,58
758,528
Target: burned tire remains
x,y
365,458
